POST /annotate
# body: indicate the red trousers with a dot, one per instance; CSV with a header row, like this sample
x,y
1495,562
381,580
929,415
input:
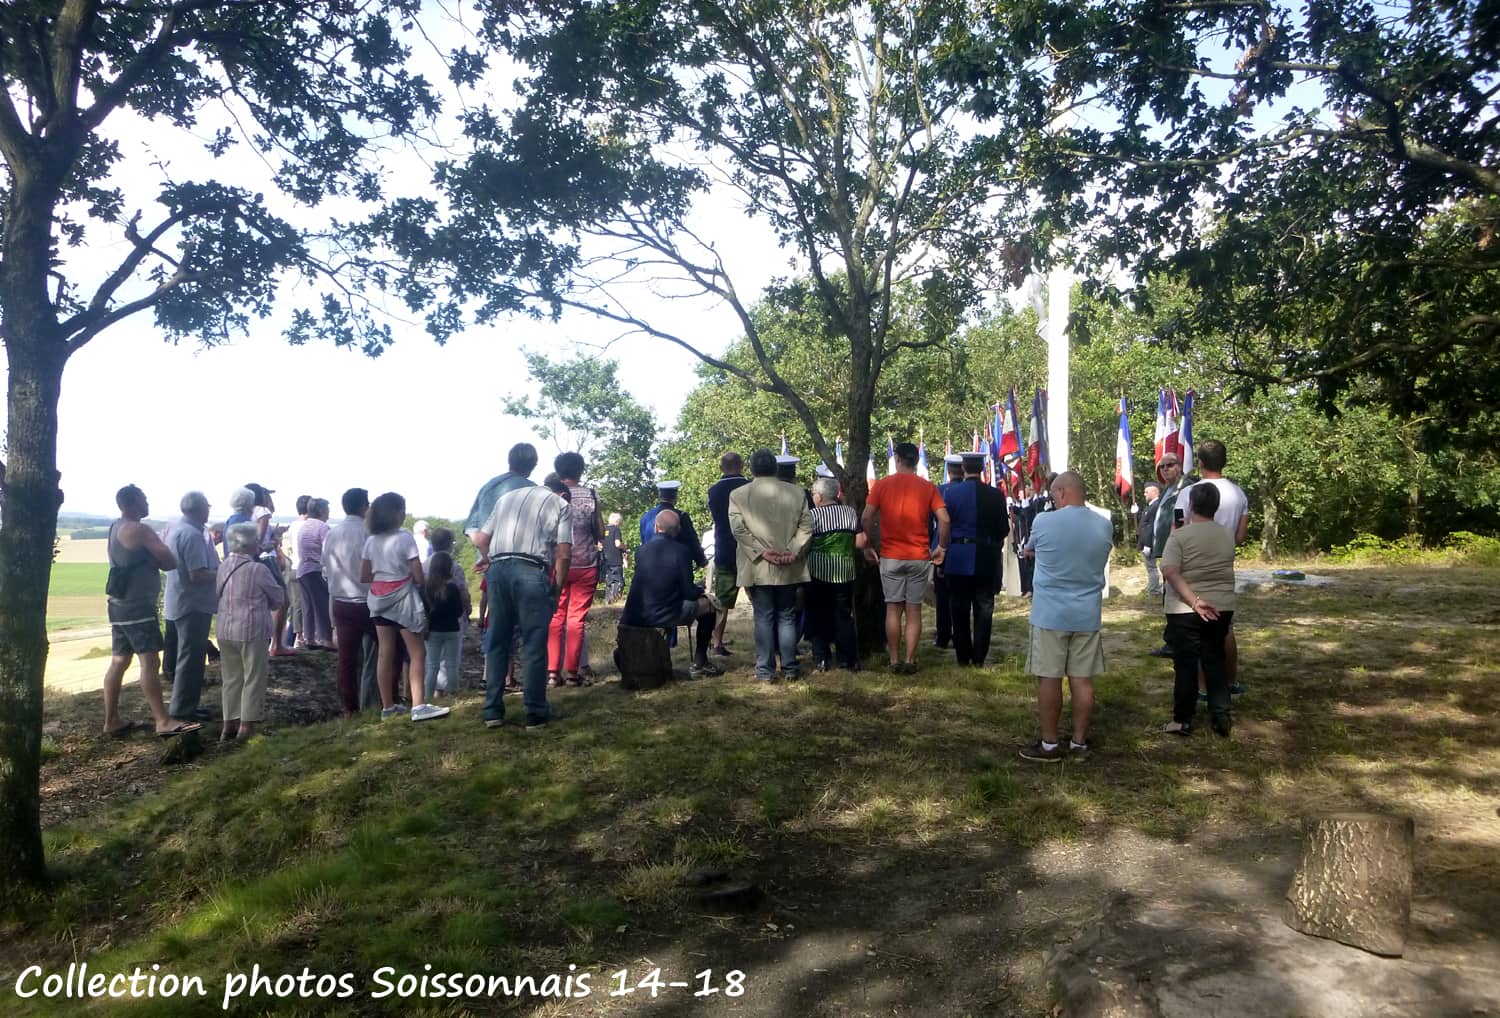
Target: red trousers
x,y
565,637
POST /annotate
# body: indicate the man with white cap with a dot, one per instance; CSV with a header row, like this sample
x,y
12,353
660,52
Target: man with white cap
x,y
953,465
687,535
980,524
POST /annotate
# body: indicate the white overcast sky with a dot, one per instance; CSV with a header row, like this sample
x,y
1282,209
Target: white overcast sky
x,y
421,419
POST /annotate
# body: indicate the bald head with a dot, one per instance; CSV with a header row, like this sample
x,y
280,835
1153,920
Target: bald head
x,y
668,523
1067,489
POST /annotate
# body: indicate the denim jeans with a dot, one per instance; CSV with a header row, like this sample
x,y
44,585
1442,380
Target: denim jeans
x,y
1193,642
442,653
775,628
520,598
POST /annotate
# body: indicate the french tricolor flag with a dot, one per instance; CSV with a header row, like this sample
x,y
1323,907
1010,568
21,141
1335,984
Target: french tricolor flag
x,y
1185,433
1124,472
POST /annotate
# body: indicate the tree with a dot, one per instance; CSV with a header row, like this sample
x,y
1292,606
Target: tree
x,y
1325,175
316,89
823,120
582,408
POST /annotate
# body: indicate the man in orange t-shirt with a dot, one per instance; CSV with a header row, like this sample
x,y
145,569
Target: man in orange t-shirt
x,y
905,502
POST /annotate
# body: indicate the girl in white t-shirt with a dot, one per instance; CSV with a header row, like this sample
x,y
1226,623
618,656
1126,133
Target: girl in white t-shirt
x,y
392,567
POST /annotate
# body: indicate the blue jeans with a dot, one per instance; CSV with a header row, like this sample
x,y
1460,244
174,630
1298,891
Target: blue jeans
x,y
442,653
520,598
775,628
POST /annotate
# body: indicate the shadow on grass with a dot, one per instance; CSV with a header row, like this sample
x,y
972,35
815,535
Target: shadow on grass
x,y
899,841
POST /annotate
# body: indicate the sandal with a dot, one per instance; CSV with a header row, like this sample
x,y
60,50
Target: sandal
x,y
185,728
128,728
580,680
555,679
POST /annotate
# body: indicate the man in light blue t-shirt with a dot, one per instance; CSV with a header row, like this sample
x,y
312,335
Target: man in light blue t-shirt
x,y
1071,545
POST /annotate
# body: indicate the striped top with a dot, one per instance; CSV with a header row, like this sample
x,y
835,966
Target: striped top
x,y
529,521
832,557
248,594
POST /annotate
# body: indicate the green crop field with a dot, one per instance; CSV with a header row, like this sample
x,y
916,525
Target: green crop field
x,y
76,579
75,598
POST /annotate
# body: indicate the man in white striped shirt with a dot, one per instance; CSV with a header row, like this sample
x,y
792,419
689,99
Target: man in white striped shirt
x,y
529,530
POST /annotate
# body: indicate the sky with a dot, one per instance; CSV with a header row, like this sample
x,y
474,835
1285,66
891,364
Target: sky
x,y
421,419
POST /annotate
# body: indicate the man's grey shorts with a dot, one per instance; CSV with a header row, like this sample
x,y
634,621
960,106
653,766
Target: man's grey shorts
x,y
135,638
905,579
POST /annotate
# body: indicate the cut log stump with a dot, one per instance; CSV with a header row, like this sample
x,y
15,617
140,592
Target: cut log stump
x,y
183,749
643,657
1354,882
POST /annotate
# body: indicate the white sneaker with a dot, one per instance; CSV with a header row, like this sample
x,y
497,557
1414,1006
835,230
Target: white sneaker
x,y
427,712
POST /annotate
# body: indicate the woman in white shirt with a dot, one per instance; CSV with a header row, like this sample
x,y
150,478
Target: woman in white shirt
x,y
392,566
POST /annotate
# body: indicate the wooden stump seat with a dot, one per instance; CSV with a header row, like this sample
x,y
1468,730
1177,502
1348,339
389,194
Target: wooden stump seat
x,y
643,657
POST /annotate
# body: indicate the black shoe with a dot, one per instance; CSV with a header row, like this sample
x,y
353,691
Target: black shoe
x,y
535,724
1162,651
720,651
1038,753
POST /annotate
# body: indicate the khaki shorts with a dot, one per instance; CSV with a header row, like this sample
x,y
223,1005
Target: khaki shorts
x,y
905,580
1052,653
726,589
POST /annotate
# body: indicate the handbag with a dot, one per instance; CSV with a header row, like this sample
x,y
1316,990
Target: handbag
x,y
117,581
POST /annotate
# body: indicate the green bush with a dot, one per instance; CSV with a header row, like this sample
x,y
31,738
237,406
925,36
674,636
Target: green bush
x,y
1461,548
1474,549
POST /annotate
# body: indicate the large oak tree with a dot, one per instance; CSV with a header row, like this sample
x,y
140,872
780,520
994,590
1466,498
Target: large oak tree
x,y
319,93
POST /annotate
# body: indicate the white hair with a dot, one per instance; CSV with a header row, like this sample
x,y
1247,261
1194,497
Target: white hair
x,y
243,538
826,488
192,502
419,527
615,519
242,500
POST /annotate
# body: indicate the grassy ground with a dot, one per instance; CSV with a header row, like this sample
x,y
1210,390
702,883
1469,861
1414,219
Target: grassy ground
x,y
887,819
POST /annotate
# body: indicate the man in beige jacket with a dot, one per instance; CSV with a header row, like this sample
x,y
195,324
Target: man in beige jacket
x,y
773,531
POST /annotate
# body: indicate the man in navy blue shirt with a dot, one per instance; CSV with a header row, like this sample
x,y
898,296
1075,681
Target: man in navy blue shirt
x,y
725,585
662,592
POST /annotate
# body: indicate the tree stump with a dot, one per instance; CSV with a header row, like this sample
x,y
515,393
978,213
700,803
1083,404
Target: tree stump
x,y
183,749
642,655
1354,882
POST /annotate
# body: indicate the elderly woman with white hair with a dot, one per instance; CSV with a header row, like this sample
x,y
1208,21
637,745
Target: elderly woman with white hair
x,y
249,595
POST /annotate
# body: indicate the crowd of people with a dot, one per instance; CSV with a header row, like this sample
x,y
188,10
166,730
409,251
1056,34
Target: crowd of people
x,y
382,597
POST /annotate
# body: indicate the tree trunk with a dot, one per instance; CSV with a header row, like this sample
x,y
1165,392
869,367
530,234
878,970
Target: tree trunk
x,y
27,534
1270,529
1354,883
36,355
